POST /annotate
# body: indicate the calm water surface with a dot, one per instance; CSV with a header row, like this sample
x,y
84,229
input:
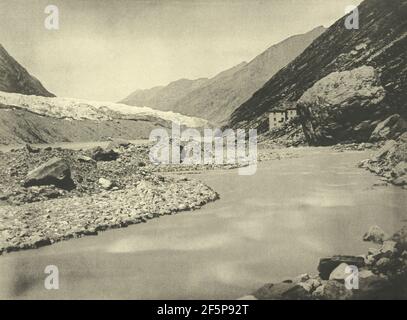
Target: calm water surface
x,y
266,227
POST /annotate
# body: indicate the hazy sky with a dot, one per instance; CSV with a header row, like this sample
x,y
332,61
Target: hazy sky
x,y
106,49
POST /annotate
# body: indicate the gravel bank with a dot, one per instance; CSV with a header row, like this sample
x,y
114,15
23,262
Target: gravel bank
x,y
107,194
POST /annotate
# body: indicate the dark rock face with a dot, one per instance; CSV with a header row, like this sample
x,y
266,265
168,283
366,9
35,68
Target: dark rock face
x,y
54,172
100,154
327,265
14,78
379,44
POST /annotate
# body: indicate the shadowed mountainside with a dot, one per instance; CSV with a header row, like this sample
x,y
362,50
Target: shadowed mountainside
x,y
14,78
374,54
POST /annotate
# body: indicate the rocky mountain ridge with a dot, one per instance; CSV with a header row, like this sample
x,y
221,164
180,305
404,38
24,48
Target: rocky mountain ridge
x,y
15,78
378,46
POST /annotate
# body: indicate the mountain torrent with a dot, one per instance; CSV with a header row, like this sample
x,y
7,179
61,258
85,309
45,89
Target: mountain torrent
x,y
215,99
346,83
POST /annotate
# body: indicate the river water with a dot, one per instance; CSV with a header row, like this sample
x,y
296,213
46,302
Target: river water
x,y
265,228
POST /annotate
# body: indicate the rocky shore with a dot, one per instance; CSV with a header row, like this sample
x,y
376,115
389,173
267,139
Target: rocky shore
x,y
48,195
382,274
390,162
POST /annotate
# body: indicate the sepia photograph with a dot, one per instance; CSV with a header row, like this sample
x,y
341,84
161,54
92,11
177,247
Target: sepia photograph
x,y
226,151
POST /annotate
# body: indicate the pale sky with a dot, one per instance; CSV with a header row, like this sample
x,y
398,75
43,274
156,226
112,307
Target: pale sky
x,y
106,49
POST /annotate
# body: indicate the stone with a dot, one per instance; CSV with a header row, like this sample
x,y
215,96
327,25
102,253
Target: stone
x,y
327,265
249,297
54,172
82,158
400,169
339,273
365,273
339,102
375,235
105,183
334,290
306,286
282,291
117,143
400,237
100,154
31,149
400,181
374,287
388,248
383,263
383,151
314,283
389,128
318,292
302,278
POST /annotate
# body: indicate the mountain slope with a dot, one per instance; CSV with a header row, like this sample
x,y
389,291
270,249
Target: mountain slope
x,y
375,55
14,78
163,97
36,119
217,99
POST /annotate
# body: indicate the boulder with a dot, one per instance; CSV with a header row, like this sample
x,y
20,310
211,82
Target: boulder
x,y
82,158
334,290
375,235
282,291
100,154
327,265
400,169
105,184
117,143
339,273
385,150
374,287
400,238
31,149
336,104
249,297
400,181
389,248
54,172
389,128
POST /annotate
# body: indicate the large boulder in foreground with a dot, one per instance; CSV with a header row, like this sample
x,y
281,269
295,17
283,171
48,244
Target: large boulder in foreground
x,y
54,172
334,106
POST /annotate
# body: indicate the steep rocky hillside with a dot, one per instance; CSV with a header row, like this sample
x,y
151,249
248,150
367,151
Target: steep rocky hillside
x,y
346,83
217,99
164,97
14,78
